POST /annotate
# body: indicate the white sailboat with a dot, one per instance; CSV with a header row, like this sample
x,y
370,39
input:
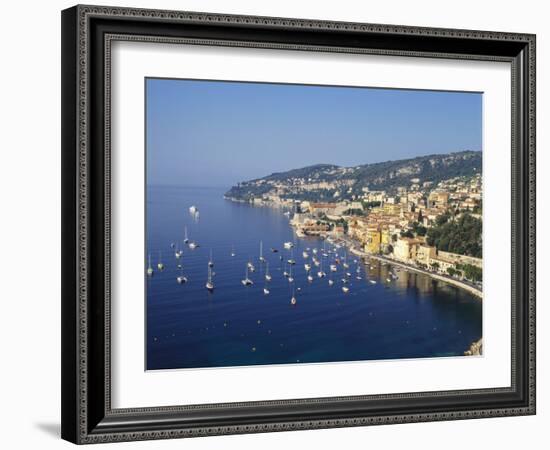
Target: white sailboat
x,y
305,254
247,281
250,266
288,245
307,267
211,260
186,239
181,279
149,267
345,289
210,283
293,300
321,274
267,274
291,261
233,251
310,278
160,265
262,259
193,245
290,277
193,209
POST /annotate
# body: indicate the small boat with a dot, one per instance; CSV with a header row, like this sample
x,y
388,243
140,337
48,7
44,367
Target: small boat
x,y
160,265
388,280
290,277
193,245
372,282
262,259
287,213
307,267
182,279
325,255
344,280
267,274
247,281
250,266
321,274
293,300
346,265
359,277
274,250
172,245
345,289
150,268
314,251
266,291
333,268
210,261
330,282
305,255
348,274
316,262
232,251
310,278
186,239
210,283
178,252
288,245
193,209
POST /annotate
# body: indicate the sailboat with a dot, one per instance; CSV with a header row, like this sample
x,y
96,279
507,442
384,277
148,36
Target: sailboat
x,y
211,261
262,259
250,266
291,261
305,254
160,265
293,300
307,267
290,277
181,279
310,278
232,250
345,289
193,245
285,273
247,281
186,240
330,280
210,283
267,275
150,268
321,274
178,253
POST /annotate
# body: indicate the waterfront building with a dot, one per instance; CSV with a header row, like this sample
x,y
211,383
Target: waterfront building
x,y
373,240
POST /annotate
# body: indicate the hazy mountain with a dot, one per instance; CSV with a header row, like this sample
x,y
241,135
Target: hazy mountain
x,y
323,181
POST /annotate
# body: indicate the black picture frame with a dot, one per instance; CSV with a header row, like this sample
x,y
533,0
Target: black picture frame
x,y
87,415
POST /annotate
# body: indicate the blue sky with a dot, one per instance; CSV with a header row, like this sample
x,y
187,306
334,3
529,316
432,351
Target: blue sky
x,y
211,133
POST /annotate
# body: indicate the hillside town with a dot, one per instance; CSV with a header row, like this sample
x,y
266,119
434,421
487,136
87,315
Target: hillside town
x,y
435,227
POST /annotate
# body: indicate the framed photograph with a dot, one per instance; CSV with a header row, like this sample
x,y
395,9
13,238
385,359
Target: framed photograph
x,y
278,224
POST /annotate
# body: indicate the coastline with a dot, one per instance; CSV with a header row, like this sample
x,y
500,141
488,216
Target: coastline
x,y
457,283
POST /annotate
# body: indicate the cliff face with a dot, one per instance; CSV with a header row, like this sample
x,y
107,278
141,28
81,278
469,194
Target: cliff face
x,y
326,181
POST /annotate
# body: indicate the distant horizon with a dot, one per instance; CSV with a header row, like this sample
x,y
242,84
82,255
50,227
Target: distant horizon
x,y
227,132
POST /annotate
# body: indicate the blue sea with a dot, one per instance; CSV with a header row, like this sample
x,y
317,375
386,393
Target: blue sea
x,y
410,316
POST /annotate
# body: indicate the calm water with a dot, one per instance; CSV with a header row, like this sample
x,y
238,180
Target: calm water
x,y
412,316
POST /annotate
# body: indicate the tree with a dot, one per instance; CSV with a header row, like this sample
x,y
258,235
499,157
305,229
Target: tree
x,y
451,271
407,234
434,265
462,236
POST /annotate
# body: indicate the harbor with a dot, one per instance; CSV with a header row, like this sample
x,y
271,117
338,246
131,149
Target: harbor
x,y
245,290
